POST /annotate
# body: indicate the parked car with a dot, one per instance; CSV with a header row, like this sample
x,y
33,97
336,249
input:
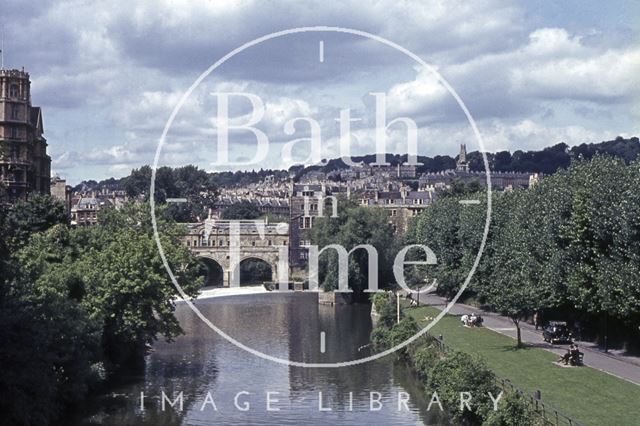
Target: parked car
x,y
557,332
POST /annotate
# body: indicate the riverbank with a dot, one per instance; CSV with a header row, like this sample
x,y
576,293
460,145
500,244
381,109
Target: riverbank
x,y
590,395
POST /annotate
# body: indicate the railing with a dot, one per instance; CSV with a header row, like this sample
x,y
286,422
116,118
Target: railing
x,y
548,413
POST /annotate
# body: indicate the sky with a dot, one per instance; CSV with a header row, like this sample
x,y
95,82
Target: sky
x,y
109,74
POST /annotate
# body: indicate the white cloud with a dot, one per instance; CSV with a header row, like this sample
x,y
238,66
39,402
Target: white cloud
x,y
123,66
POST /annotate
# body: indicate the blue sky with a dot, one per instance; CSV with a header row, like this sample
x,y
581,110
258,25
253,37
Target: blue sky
x,y
533,73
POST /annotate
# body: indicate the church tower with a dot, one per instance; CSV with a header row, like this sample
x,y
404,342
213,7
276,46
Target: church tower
x,y
24,164
462,165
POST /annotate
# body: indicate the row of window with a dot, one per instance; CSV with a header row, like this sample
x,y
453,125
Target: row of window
x,y
393,201
306,222
212,243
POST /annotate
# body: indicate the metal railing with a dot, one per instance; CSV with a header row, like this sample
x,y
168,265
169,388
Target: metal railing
x,y
548,413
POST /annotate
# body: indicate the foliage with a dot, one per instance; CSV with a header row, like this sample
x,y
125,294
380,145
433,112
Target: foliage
x,y
189,182
380,299
389,333
572,240
241,211
513,410
354,225
460,372
73,299
424,357
35,214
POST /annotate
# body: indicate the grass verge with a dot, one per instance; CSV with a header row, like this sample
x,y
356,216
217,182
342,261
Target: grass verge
x,y
586,394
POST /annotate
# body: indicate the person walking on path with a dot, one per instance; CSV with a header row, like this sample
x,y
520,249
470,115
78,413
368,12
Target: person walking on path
x,y
536,319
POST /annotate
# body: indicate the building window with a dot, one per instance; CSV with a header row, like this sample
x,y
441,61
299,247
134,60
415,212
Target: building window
x,y
14,91
15,111
393,212
14,132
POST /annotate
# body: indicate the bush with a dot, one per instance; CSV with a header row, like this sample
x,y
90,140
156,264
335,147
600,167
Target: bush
x,y
460,372
402,331
424,357
388,315
380,299
513,410
380,337
386,337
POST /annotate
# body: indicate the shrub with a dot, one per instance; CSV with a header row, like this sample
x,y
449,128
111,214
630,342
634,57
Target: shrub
x,y
460,372
387,314
513,410
424,357
402,331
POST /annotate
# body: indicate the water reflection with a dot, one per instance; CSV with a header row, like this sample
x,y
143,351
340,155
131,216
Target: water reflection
x,y
208,370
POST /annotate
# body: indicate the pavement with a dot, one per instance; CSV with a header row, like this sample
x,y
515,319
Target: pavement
x,y
620,365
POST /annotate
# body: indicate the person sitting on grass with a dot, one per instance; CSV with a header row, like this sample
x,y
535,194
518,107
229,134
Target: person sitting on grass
x,y
473,320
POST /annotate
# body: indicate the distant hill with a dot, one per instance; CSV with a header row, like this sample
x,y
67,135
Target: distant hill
x,y
558,156
547,160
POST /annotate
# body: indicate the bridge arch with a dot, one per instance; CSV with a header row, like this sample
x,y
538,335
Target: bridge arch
x,y
214,272
256,269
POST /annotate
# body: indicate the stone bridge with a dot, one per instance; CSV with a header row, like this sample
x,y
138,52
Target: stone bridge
x,y
229,243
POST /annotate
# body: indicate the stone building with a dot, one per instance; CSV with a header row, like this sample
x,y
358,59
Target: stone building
x,y
85,211
499,180
24,164
61,192
307,202
401,206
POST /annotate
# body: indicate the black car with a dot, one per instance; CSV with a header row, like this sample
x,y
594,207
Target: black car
x,y
557,332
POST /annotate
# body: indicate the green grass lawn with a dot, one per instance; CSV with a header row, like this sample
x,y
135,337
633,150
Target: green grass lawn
x,y
586,394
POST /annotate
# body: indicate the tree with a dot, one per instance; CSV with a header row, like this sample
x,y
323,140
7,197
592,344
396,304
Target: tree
x,y
126,282
241,211
35,214
514,287
189,182
354,225
438,227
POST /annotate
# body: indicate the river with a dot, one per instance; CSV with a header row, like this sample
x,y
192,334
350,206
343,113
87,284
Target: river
x,y
210,371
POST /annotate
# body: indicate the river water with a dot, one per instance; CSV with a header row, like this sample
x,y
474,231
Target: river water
x,y
210,371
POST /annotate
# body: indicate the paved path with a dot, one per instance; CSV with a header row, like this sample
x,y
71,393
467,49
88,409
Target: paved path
x,y
624,367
